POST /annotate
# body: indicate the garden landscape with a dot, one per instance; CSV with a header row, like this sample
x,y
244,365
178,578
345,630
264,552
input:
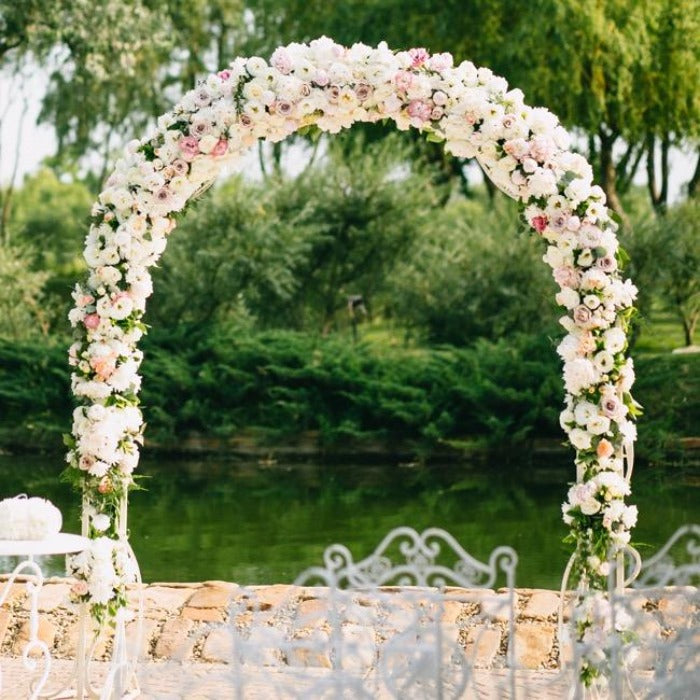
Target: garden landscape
x,y
354,338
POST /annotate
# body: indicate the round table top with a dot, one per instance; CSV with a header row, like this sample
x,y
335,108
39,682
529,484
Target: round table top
x,y
61,543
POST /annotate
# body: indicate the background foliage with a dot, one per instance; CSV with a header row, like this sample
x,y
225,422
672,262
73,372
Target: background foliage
x,y
453,340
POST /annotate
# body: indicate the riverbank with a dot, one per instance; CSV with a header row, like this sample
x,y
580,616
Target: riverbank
x,y
288,395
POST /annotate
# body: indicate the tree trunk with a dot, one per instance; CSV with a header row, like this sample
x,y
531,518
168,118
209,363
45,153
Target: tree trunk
x,y
608,175
694,184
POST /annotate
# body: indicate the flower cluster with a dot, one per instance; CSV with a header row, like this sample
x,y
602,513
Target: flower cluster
x,y
100,573
329,87
601,632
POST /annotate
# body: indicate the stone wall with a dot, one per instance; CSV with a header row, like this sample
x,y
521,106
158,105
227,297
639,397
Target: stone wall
x,y
183,621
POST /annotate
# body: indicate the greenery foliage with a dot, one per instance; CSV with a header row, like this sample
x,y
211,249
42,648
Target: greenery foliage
x,y
250,317
217,381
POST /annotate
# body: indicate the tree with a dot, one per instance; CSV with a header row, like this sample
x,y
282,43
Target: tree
x,y
289,252
114,66
622,73
22,313
474,275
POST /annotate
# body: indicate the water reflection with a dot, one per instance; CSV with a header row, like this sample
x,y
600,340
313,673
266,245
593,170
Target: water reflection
x,y
251,523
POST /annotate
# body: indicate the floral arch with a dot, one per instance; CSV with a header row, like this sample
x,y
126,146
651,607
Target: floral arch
x,y
523,150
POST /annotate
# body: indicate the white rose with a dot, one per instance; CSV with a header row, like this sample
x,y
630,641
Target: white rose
x,y
542,183
565,418
590,507
580,439
568,298
598,425
578,190
122,307
100,522
256,66
591,301
615,340
584,412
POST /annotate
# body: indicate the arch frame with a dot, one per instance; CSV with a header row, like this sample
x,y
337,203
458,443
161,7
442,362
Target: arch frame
x,y
523,150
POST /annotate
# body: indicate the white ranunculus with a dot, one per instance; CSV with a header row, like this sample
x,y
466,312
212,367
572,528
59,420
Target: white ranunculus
x,y
584,411
598,425
568,348
604,361
568,298
542,183
579,374
614,340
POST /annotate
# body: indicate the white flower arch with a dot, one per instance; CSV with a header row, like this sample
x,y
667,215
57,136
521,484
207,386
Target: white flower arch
x,y
524,151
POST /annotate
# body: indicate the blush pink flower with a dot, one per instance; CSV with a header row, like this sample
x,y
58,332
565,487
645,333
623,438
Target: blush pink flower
x,y
539,223
419,110
566,276
418,57
281,60
440,61
220,148
91,321
224,75
189,147
104,366
79,588
85,300
403,80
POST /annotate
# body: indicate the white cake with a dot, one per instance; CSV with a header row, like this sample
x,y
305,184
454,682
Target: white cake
x,y
23,518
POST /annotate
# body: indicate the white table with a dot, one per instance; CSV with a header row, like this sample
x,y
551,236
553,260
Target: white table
x,y
61,543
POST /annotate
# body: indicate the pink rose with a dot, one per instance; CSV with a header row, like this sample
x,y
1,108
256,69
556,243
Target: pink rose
x,y
607,263
440,61
518,148
224,75
221,148
179,166
539,223
363,91
508,121
104,366
582,315
321,78
281,60
105,486
541,148
419,110
85,463
566,276
85,300
403,80
418,57
79,588
189,147
586,344
91,321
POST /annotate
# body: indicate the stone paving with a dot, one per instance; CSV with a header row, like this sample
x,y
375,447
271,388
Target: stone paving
x,y
186,640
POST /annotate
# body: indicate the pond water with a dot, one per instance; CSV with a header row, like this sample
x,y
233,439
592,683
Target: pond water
x,y
253,523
